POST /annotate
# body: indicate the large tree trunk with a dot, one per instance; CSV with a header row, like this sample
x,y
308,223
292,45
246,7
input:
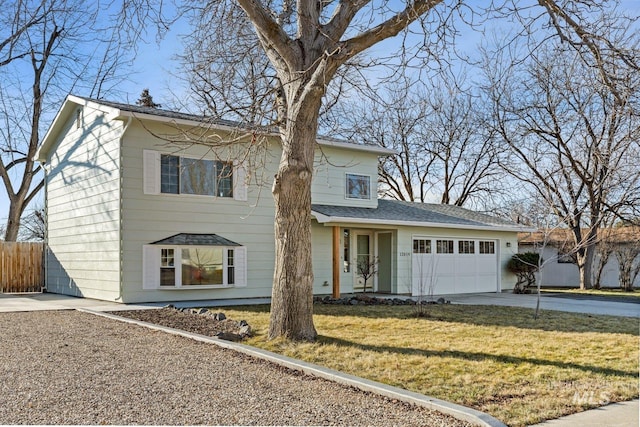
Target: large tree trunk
x,y
292,293
586,249
13,222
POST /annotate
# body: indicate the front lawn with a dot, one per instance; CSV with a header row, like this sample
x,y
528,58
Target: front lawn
x,y
495,359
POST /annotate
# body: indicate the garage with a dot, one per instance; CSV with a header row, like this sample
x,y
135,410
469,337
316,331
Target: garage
x,y
441,265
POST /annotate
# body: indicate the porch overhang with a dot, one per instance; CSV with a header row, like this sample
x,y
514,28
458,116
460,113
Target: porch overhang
x,y
330,221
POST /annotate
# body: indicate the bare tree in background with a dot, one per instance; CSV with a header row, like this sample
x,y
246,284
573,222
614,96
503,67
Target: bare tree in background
x,y
33,226
574,132
308,44
446,150
627,252
604,249
49,48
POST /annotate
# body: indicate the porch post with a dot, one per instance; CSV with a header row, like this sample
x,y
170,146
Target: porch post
x,y
336,261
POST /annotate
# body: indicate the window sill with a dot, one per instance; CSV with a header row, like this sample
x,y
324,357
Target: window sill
x,y
192,287
195,196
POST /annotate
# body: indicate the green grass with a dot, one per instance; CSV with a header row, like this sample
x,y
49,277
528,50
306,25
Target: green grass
x,y
494,359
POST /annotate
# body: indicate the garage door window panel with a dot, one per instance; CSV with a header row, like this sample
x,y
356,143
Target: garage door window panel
x,y
444,246
487,247
466,247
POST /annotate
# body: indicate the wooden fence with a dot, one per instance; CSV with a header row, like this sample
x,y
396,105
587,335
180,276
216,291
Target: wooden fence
x,y
21,267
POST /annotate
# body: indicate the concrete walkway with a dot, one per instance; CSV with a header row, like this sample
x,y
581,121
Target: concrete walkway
x,y
623,414
548,302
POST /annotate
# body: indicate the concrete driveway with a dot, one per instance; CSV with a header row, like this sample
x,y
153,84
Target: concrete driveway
x,y
581,304
44,301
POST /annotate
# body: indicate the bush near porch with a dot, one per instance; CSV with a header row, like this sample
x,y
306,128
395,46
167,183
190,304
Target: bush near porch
x,y
494,359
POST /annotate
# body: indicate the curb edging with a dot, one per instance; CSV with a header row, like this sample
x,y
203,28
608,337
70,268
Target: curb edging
x,y
457,411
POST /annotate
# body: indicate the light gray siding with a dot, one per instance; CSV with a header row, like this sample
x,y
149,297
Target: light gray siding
x,y
83,208
331,167
151,217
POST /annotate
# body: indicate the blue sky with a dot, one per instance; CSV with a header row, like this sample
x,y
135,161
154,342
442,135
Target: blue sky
x,y
153,68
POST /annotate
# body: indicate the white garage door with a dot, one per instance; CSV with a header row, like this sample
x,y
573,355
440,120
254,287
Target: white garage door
x,y
453,266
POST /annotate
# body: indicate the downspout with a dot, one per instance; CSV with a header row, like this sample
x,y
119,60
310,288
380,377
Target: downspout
x,y
45,249
120,220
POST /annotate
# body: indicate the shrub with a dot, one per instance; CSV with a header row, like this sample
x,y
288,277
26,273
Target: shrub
x,y
524,266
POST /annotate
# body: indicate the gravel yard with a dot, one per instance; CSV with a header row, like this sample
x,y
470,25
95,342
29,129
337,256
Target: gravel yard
x,y
67,367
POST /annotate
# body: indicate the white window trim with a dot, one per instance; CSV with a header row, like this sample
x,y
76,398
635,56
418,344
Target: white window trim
x,y
346,187
152,264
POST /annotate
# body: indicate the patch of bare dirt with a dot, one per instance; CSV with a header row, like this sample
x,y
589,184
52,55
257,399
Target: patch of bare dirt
x,y
199,321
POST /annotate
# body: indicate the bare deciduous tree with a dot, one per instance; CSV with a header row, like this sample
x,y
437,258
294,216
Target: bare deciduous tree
x,y
573,136
33,227
627,251
308,43
445,149
49,49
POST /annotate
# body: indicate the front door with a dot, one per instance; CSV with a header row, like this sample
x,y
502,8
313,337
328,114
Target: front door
x,y
384,262
364,267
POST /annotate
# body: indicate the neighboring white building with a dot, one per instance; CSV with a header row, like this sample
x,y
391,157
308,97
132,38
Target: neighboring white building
x,y
560,268
134,218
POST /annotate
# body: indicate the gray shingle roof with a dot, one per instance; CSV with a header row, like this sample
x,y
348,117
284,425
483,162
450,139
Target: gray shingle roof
x,y
196,240
138,109
395,210
164,113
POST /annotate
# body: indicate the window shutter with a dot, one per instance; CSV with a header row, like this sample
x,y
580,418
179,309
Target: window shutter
x,y
150,267
239,184
240,261
151,172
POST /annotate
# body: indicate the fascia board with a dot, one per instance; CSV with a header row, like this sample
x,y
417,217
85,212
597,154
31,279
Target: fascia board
x,y
333,220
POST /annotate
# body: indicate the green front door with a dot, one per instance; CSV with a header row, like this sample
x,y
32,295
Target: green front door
x,y
384,262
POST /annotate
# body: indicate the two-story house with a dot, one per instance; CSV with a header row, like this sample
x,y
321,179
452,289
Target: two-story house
x,y
135,216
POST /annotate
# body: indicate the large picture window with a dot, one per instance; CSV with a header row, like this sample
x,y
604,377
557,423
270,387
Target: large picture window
x,y
183,175
198,266
191,261
358,186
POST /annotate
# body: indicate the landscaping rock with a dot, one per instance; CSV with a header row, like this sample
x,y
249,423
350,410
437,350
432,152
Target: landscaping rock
x,y
363,299
228,336
244,331
200,321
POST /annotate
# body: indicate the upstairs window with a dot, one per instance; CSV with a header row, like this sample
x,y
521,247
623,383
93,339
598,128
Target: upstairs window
x,y
358,186
183,175
169,174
